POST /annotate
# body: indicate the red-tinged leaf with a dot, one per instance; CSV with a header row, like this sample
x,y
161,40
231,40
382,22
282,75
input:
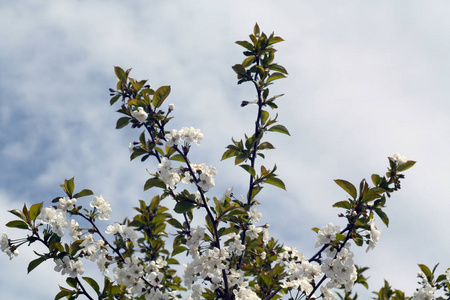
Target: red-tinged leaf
x,y
347,186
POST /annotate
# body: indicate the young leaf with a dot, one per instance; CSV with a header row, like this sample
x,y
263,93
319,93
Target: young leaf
x,y
347,186
154,182
35,210
83,193
34,263
276,182
406,166
120,74
93,284
17,224
249,169
275,76
122,122
160,95
279,128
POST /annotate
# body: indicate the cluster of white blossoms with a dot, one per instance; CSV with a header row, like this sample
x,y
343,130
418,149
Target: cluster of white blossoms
x,y
167,174
300,271
127,233
205,176
338,266
186,134
140,114
399,159
102,206
6,248
426,292
68,266
56,218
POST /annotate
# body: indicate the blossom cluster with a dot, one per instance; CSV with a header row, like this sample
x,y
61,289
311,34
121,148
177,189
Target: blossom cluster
x,y
186,134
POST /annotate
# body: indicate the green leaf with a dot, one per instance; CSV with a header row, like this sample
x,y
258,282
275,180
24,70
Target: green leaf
x,y
63,293
249,169
246,45
183,206
370,195
343,204
68,186
83,193
175,223
179,249
275,39
425,270
239,69
18,213
275,76
34,263
35,210
279,128
120,74
382,216
154,182
122,122
406,166
265,146
376,179
114,99
93,284
275,67
315,229
72,282
160,95
276,182
264,117
248,61
17,224
347,186
229,153
177,157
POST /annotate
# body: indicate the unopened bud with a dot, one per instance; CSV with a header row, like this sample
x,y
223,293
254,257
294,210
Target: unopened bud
x,y
244,103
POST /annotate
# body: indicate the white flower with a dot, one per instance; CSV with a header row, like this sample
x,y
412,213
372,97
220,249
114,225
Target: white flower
x,y
253,231
171,106
254,215
102,206
327,234
70,267
399,159
66,203
56,218
75,230
173,138
374,235
5,242
140,115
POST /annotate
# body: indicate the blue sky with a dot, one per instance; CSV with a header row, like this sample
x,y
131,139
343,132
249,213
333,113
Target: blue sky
x,y
366,80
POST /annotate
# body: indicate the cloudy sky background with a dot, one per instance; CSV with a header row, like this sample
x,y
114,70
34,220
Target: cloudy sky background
x,y
366,79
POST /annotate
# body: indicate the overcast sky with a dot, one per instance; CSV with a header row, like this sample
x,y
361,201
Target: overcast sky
x,y
366,79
